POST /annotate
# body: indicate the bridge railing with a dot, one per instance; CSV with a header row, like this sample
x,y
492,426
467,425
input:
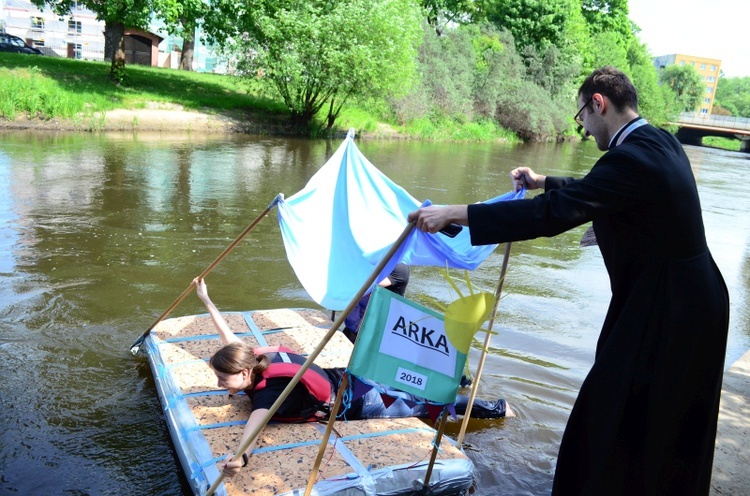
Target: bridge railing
x,y
714,120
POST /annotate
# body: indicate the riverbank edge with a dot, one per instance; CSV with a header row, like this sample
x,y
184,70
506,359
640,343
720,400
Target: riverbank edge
x,y
731,475
175,118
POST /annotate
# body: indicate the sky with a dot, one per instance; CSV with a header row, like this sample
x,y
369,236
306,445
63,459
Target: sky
x,y
716,29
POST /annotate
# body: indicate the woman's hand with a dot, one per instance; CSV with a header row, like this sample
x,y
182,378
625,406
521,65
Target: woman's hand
x,y
201,290
231,468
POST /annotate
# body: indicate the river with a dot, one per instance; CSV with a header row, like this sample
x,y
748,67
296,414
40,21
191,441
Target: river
x,y
99,233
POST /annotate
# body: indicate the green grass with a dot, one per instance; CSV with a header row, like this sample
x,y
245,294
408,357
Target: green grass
x,y
53,87
353,117
723,143
450,129
76,90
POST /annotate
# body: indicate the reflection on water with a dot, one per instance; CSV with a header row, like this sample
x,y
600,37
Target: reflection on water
x,y
99,234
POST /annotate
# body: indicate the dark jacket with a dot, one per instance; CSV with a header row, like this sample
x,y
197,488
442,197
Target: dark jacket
x,y
645,418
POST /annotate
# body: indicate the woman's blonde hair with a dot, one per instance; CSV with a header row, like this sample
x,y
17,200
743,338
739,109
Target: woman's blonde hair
x,y
232,358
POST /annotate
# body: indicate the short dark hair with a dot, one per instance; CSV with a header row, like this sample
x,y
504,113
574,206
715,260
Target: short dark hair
x,y
613,84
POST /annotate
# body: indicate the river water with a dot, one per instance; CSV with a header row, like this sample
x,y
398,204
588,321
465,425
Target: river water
x,y
99,233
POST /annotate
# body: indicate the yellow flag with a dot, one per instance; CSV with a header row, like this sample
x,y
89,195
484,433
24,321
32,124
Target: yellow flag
x,y
465,316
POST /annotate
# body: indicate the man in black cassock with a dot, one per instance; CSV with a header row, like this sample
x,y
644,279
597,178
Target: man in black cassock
x,y
644,422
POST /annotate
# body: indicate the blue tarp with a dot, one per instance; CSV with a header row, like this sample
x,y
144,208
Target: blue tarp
x,y
337,229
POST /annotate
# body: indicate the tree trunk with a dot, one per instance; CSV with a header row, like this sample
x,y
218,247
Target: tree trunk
x,y
188,45
117,40
331,117
107,40
301,120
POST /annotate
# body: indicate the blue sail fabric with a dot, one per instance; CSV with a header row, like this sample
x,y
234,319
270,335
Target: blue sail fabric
x,y
341,224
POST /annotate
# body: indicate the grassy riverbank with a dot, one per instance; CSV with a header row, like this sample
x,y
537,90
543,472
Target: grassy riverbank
x,y
51,88
51,92
723,143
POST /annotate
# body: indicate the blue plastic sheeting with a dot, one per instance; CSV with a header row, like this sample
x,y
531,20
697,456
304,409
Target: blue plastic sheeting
x,y
341,224
190,444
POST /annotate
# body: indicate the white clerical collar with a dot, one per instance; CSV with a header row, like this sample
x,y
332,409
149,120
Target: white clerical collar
x,y
625,130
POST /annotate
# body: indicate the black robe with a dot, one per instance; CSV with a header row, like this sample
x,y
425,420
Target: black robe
x,y
644,422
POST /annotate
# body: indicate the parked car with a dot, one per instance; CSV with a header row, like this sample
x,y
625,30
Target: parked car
x,y
10,43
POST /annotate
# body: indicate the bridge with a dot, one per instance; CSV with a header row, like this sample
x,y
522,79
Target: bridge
x,y
693,127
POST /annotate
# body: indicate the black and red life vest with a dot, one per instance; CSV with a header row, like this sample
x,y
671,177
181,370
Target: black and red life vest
x,y
284,363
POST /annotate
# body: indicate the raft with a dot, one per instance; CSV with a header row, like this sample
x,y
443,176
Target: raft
x,y
362,458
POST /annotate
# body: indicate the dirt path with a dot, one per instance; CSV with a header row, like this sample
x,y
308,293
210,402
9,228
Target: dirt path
x,y
175,118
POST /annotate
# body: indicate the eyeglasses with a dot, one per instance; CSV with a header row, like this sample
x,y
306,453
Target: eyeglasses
x,y
577,117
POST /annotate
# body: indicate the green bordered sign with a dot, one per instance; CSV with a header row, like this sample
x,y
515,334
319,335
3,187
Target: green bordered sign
x,y
404,345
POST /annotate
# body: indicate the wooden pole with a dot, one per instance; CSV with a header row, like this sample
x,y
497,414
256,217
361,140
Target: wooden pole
x,y
312,356
485,348
329,428
436,447
136,346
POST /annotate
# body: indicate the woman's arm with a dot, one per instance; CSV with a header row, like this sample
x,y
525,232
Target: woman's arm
x,y
225,333
230,468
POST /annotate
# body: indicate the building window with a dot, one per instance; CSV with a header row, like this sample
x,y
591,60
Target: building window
x,y
704,111
37,23
77,51
706,100
74,26
713,68
710,79
38,43
682,63
703,67
709,89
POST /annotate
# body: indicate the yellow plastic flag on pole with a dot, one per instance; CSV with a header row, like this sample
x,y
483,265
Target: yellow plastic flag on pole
x,y
465,316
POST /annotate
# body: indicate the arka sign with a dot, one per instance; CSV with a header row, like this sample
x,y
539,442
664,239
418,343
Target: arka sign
x,y
421,335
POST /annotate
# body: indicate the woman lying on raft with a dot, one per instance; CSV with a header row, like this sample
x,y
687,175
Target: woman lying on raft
x,y
263,377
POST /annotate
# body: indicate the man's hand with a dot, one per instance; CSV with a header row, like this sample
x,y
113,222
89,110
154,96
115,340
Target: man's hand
x,y
523,177
434,218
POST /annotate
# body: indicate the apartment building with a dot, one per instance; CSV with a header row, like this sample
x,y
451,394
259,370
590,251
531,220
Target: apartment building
x,y
707,68
80,35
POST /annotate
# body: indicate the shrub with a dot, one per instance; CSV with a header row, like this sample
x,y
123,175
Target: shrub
x,y
529,111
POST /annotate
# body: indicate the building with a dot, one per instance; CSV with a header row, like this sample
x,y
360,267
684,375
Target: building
x,y
707,68
80,35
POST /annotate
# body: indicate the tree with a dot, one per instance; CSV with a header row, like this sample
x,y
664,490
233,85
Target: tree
x,y
117,15
473,72
550,69
321,52
686,83
441,13
655,103
447,66
550,35
608,15
182,18
536,23
734,95
609,51
497,68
